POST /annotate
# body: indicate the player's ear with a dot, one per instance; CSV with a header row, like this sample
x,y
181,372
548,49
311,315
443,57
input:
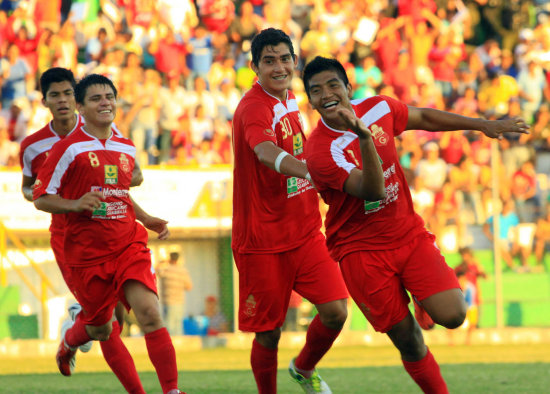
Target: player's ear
x,y
350,90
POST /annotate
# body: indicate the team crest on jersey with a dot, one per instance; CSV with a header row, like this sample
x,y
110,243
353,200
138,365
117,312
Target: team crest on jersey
x,y
378,134
269,132
298,144
124,163
250,306
111,174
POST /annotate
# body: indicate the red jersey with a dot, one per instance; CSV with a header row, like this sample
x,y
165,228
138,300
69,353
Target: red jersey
x,y
271,212
81,163
34,150
353,224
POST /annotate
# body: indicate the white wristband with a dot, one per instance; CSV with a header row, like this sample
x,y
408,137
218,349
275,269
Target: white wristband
x,y
308,178
279,159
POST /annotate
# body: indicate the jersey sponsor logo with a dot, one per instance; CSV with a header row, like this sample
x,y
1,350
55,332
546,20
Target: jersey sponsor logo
x,y
101,211
111,174
269,132
250,306
124,162
298,144
378,134
301,121
111,192
296,186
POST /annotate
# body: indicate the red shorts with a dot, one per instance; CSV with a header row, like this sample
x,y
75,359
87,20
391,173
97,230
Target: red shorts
x,y
100,287
377,279
57,243
266,282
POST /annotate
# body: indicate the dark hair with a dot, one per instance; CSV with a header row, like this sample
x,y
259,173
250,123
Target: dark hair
x,y
54,75
320,64
89,80
269,37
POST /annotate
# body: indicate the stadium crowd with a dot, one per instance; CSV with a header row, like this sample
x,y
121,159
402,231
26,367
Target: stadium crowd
x,y
182,66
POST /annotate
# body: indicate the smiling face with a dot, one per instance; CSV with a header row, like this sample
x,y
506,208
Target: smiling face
x,y
60,100
99,106
328,93
275,69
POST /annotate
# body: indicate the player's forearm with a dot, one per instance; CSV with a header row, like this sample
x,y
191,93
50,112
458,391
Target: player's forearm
x,y
141,215
435,120
372,186
27,193
275,158
53,203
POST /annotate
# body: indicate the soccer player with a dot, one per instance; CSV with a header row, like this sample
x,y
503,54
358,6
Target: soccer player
x,y
87,177
57,86
277,242
372,229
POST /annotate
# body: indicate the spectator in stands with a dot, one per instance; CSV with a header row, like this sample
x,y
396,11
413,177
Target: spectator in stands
x,y
507,239
532,85
200,52
174,281
432,168
15,73
9,150
542,237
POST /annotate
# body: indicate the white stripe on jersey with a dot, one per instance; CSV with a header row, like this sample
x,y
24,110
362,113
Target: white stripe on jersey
x,y
375,113
34,150
81,147
121,147
337,150
280,111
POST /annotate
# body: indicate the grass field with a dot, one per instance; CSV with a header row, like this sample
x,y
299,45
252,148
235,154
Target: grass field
x,y
358,369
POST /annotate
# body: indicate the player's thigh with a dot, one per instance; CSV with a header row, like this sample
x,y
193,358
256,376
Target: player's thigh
x,y
94,291
57,242
318,277
134,274
375,287
265,284
424,271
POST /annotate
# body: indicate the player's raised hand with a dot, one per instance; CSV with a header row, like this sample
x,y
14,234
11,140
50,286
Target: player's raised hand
x,y
496,128
353,122
157,225
88,202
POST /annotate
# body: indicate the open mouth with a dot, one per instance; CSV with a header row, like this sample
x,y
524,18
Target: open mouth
x,y
330,104
279,77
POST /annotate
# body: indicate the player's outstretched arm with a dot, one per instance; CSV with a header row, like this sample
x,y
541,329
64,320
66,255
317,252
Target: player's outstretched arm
x,y
26,187
366,183
151,222
281,161
435,120
53,203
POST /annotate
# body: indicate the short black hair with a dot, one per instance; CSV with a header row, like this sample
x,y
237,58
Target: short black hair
x,y
320,64
55,75
269,37
89,80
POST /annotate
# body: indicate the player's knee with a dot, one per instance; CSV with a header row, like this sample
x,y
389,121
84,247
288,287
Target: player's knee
x,y
336,318
148,316
269,339
102,333
455,318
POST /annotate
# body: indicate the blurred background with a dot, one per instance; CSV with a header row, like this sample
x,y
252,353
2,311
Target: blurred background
x,y
181,67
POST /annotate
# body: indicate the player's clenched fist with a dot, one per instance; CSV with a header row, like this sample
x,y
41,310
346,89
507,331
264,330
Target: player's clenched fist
x,y
354,123
88,202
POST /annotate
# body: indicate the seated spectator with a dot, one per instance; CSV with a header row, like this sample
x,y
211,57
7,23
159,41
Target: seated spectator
x,y
217,322
9,150
524,192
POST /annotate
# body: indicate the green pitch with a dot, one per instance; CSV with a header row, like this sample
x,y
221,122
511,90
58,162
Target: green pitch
x,y
348,370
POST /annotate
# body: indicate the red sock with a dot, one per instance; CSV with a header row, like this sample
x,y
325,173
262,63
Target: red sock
x,y
319,339
264,367
426,374
117,356
77,335
163,356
